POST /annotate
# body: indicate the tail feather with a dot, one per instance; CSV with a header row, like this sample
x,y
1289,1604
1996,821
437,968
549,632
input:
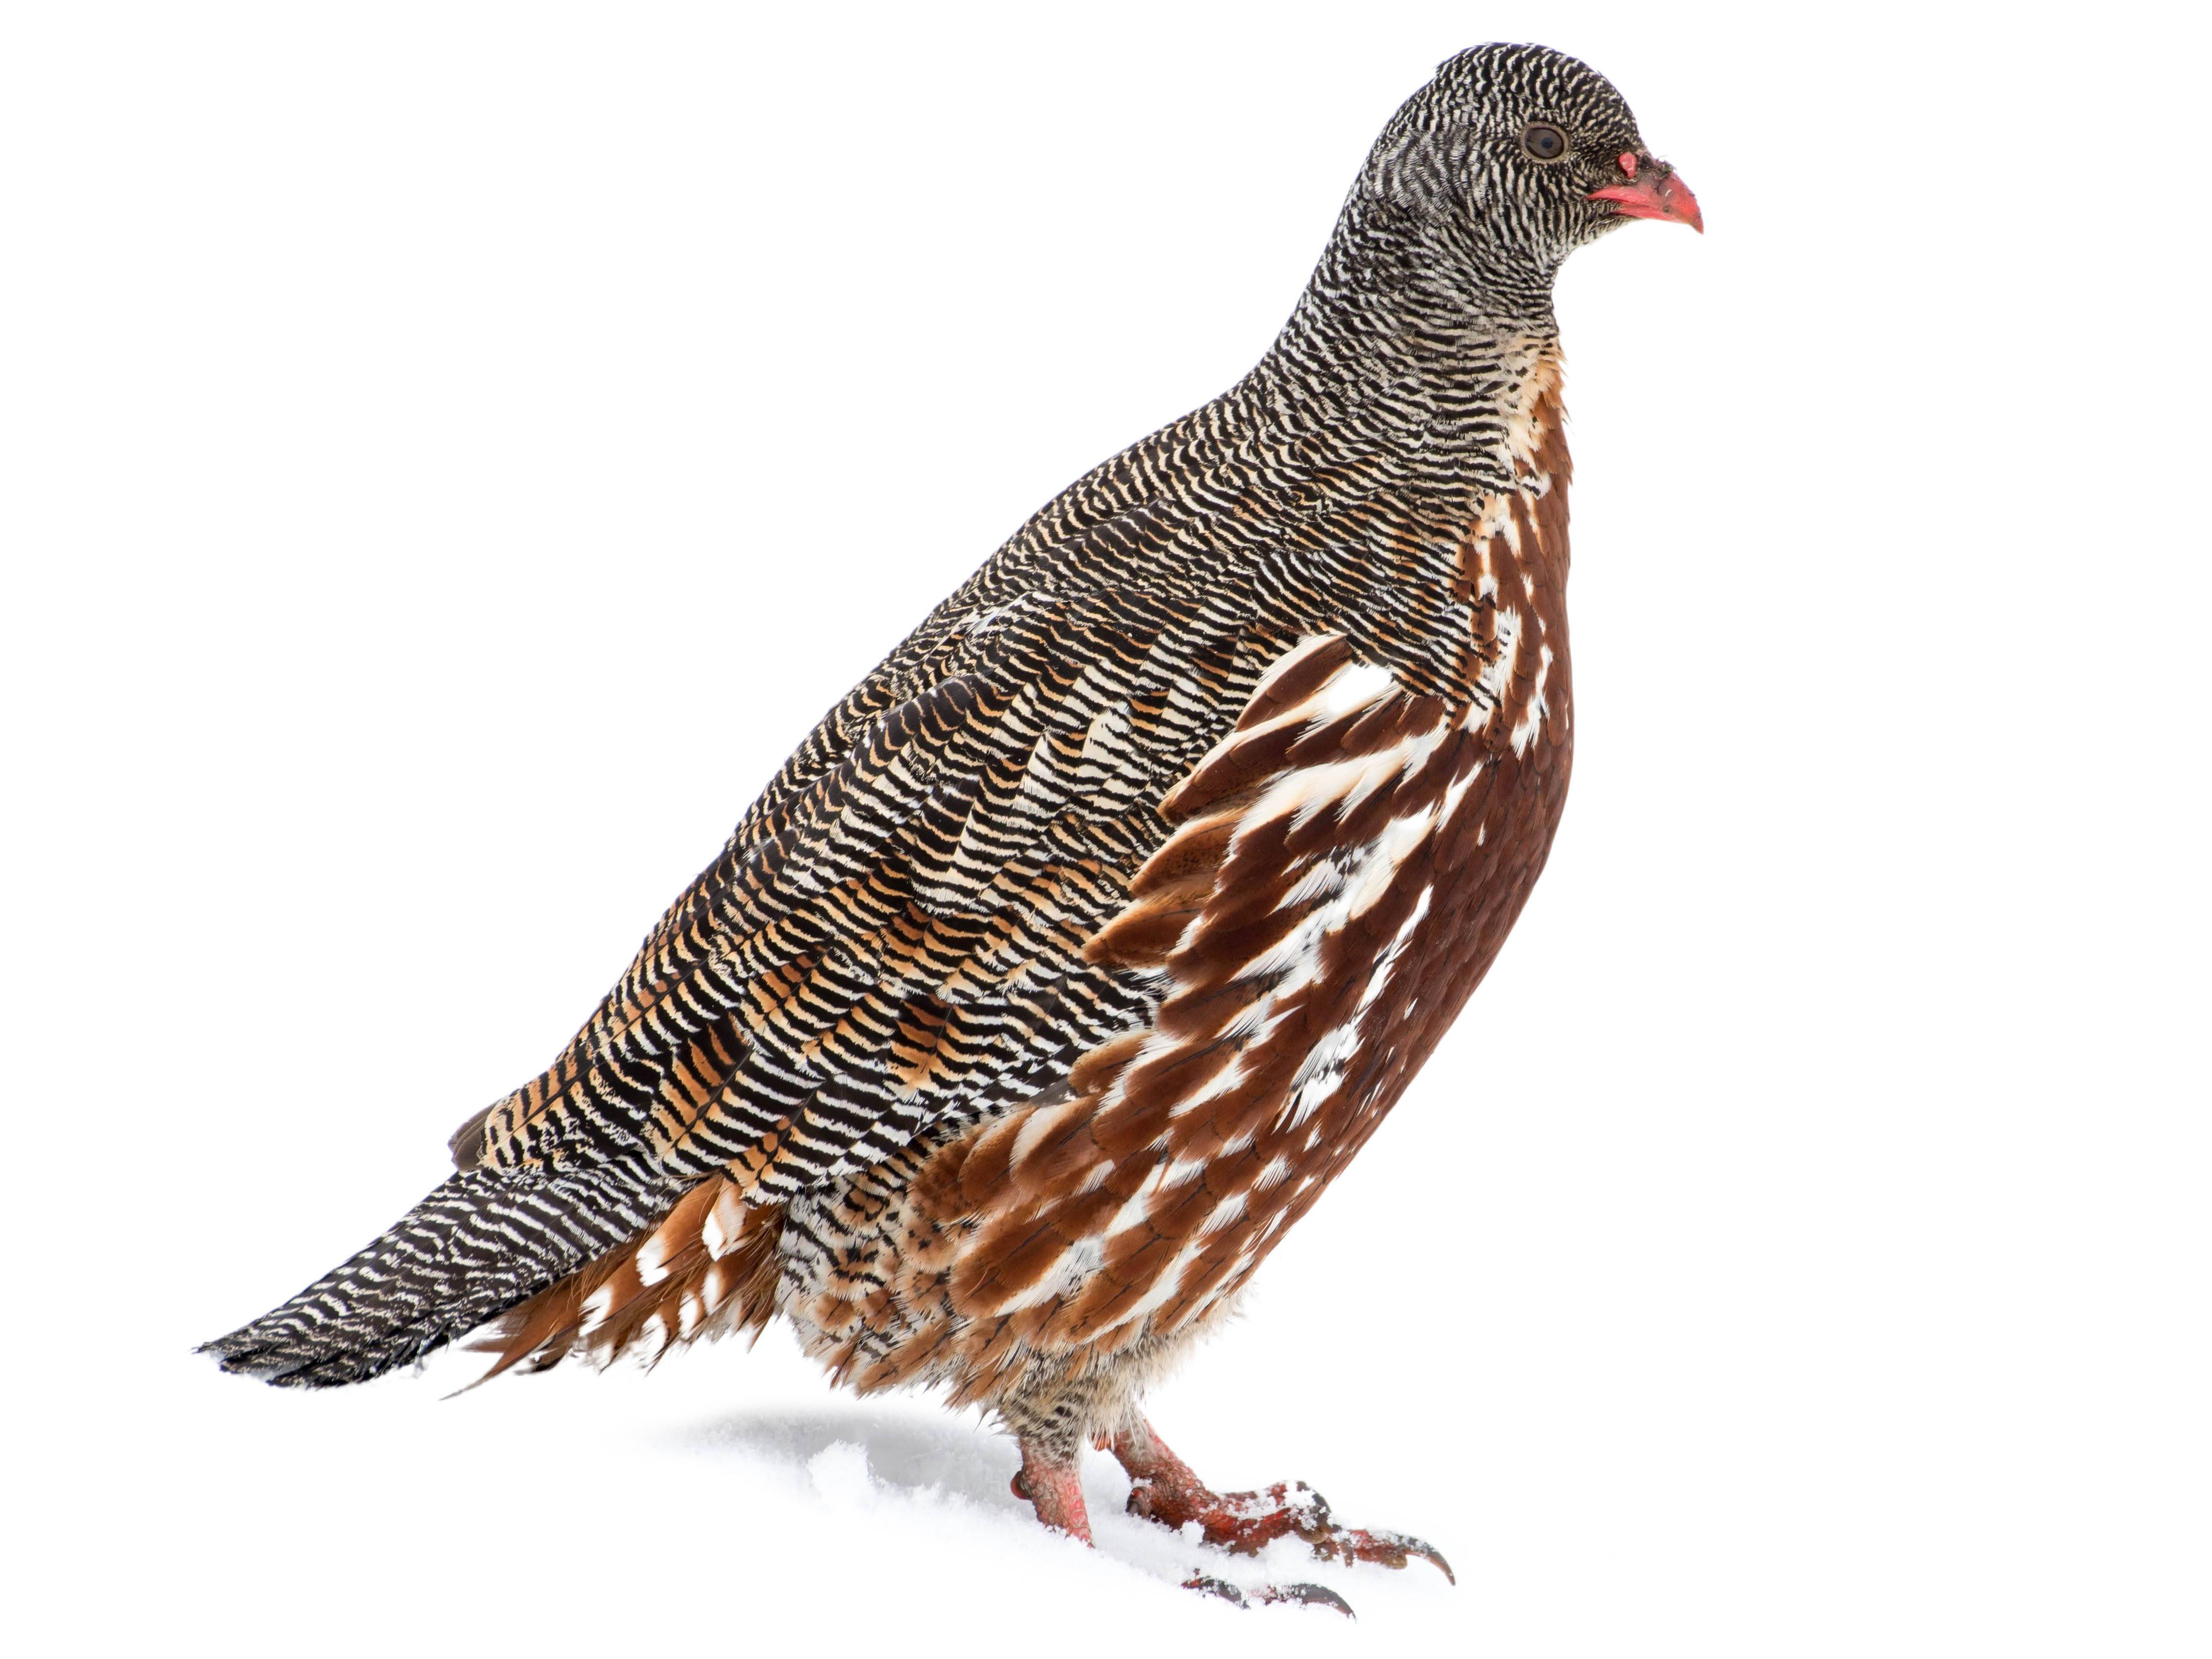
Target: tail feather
x,y
708,1269
482,1242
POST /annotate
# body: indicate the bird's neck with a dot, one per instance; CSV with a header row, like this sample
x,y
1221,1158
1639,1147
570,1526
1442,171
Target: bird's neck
x,y
1415,395
1413,333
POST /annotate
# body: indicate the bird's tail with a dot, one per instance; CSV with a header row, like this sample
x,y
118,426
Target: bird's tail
x,y
483,1240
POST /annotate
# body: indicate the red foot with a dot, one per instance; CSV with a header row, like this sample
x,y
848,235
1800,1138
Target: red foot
x,y
1163,1488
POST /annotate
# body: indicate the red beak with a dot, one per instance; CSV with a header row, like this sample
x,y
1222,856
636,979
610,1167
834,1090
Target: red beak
x,y
1660,193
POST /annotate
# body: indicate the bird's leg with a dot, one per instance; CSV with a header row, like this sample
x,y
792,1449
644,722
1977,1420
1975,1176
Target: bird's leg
x,y
1165,1489
1051,1477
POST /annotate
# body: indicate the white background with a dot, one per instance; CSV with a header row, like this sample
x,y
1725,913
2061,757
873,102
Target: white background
x,y
452,453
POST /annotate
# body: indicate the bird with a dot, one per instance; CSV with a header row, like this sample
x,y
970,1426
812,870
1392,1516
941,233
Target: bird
x,y
1078,948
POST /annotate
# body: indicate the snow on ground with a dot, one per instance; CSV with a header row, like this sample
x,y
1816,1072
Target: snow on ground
x,y
728,1497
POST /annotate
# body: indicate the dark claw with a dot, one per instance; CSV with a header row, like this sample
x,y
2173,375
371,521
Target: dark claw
x,y
1308,1595
1388,1549
1220,1587
1304,1596
1309,1515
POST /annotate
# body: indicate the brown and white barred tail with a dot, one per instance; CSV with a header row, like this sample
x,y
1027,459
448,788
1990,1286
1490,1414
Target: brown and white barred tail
x,y
483,1240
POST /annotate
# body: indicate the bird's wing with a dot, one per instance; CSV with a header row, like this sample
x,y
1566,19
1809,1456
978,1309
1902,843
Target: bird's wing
x,y
896,932
895,935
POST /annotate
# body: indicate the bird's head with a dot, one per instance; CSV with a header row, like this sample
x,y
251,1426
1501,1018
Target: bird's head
x,y
1528,152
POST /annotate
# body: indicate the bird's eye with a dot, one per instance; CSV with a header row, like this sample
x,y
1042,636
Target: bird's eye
x,y
1543,141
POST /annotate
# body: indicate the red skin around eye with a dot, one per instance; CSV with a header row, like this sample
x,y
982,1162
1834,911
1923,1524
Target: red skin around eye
x,y
1628,162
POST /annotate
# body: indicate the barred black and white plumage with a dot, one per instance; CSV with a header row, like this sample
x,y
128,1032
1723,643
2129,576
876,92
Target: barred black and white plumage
x,y
1063,965
470,1250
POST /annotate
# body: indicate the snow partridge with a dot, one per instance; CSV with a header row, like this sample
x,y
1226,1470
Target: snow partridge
x,y
1082,944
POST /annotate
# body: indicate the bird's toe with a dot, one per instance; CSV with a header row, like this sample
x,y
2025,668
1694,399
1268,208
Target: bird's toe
x,y
1304,1596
